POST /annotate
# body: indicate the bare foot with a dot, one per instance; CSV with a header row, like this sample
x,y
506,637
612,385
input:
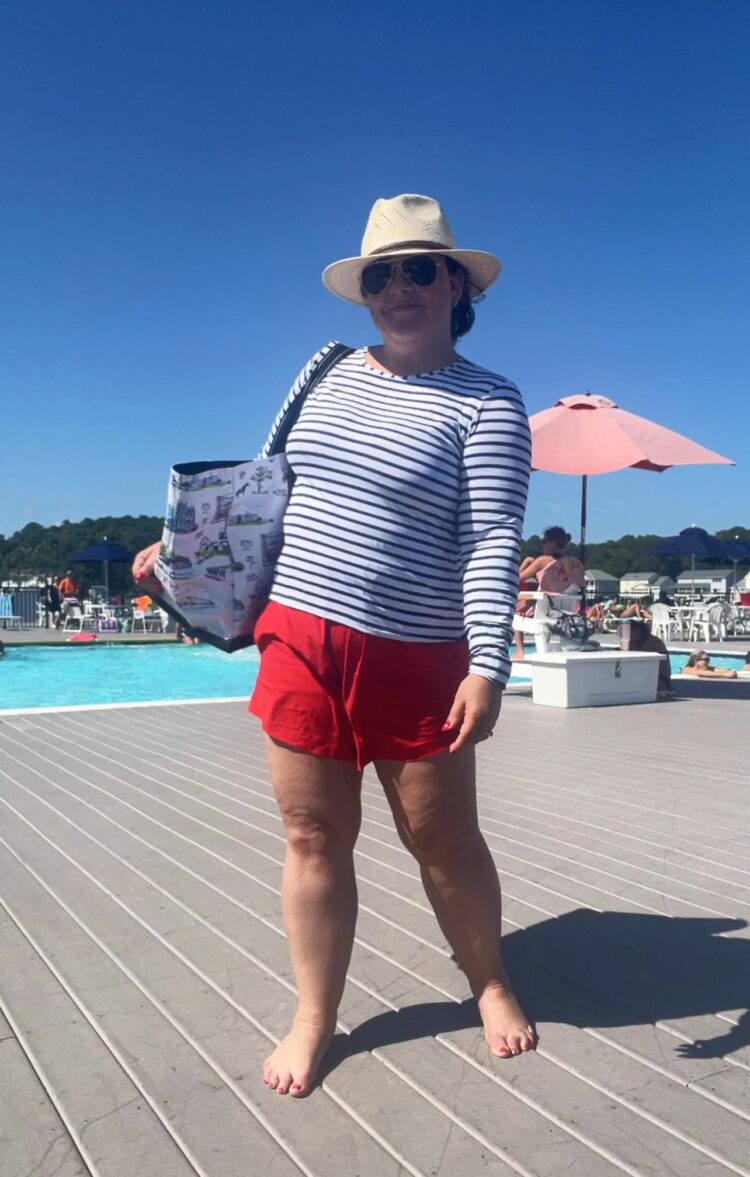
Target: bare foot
x,y
294,1063
506,1028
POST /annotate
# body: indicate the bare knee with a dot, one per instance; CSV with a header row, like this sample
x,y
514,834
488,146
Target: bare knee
x,y
442,845
317,835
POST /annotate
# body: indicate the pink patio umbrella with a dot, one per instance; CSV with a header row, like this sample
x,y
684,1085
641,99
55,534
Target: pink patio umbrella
x,y
592,435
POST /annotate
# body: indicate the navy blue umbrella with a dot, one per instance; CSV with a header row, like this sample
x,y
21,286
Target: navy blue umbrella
x,y
105,550
737,551
693,542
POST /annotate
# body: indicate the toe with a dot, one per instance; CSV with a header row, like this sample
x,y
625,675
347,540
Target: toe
x,y
500,1048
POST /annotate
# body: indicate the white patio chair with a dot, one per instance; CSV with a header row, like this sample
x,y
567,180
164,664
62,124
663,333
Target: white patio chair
x,y
73,618
740,621
709,623
139,620
663,624
156,621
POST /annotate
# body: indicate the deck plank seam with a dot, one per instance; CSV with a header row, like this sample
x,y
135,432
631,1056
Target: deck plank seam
x,y
256,961
460,1123
360,854
59,1106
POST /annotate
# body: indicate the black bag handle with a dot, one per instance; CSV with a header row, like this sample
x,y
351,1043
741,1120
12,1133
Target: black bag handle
x,y
332,357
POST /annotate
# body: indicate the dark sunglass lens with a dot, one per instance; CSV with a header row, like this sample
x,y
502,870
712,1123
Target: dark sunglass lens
x,y
422,271
375,278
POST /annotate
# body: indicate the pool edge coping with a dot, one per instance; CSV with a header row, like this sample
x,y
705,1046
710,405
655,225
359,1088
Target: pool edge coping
x,y
118,706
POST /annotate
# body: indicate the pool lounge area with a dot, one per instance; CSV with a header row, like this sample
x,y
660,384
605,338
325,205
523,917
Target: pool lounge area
x,y
144,973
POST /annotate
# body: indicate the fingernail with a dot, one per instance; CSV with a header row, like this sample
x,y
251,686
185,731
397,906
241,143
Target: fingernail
x,y
446,726
140,575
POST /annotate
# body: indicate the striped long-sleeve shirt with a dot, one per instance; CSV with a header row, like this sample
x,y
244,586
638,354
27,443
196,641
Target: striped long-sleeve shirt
x,y
406,512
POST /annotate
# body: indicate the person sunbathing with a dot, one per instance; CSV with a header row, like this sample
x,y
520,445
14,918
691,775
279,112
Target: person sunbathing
x,y
596,615
633,609
698,665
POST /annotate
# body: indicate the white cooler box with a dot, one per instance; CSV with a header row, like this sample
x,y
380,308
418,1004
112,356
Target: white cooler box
x,y
597,678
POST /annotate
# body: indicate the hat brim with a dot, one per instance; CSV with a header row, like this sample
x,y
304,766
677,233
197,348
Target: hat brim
x,y
343,278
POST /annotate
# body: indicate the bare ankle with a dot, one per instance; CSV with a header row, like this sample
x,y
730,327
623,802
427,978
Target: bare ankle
x,y
321,1022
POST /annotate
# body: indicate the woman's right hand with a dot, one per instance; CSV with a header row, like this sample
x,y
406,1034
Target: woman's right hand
x,y
143,569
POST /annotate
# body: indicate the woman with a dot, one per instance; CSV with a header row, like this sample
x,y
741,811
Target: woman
x,y
386,636
698,665
554,542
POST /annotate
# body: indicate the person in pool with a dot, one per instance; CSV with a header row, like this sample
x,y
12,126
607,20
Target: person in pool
x,y
698,665
386,637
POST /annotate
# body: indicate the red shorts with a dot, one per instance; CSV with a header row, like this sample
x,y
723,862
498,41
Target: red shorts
x,y
332,691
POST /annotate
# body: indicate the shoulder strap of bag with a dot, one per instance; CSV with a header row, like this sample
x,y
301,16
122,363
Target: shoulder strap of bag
x,y
331,358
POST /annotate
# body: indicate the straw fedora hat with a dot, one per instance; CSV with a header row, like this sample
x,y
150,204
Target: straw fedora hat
x,y
400,227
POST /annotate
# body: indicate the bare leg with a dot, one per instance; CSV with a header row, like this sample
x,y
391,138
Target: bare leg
x,y
434,805
517,654
319,801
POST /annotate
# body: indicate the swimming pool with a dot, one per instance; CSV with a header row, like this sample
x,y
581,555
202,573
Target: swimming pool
x,y
81,676
65,676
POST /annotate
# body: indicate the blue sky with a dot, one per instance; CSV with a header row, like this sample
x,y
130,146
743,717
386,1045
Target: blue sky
x,y
176,174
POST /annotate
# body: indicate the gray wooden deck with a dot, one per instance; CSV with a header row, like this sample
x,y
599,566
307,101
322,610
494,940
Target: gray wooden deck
x,y
144,973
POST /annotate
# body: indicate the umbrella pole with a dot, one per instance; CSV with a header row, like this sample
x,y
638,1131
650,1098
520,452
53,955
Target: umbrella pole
x,y
583,541
106,582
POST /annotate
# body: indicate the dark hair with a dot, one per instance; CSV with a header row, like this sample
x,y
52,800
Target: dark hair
x,y
556,535
462,314
640,630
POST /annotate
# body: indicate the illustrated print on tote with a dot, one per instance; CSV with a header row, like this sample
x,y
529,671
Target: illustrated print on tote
x,y
180,518
218,551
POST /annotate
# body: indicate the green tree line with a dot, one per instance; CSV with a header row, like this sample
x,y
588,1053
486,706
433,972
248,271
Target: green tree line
x,y
45,551
630,553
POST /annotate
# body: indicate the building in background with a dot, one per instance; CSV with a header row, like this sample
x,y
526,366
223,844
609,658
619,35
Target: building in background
x,y
638,584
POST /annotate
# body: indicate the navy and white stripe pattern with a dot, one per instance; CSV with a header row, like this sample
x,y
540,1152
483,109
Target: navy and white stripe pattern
x,y
406,514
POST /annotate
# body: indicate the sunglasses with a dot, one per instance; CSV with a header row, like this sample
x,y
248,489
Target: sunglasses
x,y
420,269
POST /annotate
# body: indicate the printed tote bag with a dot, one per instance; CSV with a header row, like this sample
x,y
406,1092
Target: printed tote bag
x,y
223,532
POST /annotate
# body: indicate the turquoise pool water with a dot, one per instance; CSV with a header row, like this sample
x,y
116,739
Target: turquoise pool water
x,y
65,676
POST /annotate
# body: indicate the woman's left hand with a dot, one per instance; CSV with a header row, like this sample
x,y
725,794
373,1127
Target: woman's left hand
x,y
475,711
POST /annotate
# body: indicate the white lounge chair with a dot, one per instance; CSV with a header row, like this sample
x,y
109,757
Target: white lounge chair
x,y
8,619
77,619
